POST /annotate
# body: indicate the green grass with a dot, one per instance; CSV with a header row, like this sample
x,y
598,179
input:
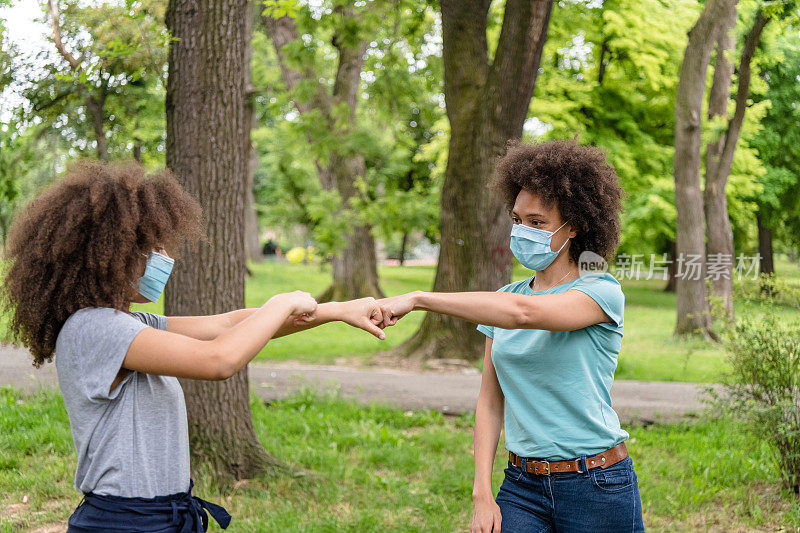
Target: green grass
x,y
650,352
374,468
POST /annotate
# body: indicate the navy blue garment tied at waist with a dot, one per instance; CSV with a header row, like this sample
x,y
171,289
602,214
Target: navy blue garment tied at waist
x,y
177,513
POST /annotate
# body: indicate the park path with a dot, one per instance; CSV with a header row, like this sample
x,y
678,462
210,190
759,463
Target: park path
x,y
447,392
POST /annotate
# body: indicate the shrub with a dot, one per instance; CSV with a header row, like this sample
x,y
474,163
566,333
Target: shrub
x,y
764,387
768,289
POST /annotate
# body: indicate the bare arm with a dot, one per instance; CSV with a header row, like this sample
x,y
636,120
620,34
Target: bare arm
x,y
566,311
488,422
171,354
355,312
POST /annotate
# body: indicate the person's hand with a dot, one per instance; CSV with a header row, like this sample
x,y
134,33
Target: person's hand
x,y
364,313
486,516
396,307
301,305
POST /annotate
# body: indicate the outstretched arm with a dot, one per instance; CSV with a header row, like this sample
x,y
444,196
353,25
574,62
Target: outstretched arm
x,y
363,313
566,311
171,354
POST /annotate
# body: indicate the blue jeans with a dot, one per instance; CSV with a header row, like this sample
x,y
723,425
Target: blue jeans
x,y
597,500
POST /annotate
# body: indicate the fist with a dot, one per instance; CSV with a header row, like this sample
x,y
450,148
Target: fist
x,y
396,307
364,313
298,302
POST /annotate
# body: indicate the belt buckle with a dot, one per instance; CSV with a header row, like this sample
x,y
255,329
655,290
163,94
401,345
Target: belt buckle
x,y
547,464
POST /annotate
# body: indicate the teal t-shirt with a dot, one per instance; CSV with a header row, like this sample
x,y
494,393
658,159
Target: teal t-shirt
x,y
557,383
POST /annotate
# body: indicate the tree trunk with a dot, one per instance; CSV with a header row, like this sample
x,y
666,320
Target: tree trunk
x,y
720,235
692,309
718,227
672,268
487,106
403,246
355,271
206,129
766,261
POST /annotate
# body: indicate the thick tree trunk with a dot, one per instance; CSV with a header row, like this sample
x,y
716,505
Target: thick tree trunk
x,y
487,106
718,227
206,129
766,261
692,309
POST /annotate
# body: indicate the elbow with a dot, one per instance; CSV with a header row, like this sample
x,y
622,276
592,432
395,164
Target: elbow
x,y
221,365
525,315
225,370
222,373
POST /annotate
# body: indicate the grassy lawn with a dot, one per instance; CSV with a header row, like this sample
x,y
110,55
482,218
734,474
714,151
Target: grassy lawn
x,y
379,469
649,350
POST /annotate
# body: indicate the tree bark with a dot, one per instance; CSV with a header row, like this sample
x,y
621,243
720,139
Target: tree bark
x,y
355,271
718,227
487,105
206,150
692,308
766,261
720,235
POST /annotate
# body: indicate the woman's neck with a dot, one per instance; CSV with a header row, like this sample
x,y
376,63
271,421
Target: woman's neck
x,y
560,271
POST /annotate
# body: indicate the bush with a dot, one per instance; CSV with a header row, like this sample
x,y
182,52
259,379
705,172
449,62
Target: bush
x,y
764,389
768,289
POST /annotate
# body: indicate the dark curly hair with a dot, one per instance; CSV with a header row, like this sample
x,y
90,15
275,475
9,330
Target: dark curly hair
x,y
82,241
577,179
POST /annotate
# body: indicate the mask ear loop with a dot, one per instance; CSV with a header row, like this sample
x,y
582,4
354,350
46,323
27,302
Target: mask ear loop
x,y
565,242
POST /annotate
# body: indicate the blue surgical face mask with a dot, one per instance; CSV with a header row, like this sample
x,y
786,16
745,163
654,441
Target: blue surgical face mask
x,y
531,246
156,274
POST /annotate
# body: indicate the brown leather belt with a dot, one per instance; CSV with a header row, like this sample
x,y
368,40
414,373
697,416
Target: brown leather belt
x,y
545,468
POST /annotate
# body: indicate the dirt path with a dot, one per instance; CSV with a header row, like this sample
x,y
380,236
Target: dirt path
x,y
447,392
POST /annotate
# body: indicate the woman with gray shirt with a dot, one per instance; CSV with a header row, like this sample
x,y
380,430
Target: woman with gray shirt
x,y
78,256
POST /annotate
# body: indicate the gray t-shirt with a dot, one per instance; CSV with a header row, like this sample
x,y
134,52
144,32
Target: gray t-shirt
x,y
134,440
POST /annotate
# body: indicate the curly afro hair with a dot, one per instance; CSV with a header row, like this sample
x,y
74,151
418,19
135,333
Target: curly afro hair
x,y
83,240
577,179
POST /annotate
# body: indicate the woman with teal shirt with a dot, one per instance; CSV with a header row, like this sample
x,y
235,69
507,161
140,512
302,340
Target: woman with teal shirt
x,y
552,343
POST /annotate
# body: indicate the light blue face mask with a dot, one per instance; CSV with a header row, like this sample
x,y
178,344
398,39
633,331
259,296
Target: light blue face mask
x,y
156,274
531,246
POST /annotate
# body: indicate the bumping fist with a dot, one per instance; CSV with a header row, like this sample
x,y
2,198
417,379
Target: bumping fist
x,y
396,307
364,313
300,304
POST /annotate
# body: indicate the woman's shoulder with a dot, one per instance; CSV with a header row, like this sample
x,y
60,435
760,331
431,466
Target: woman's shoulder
x,y
602,281
87,316
604,289
89,322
